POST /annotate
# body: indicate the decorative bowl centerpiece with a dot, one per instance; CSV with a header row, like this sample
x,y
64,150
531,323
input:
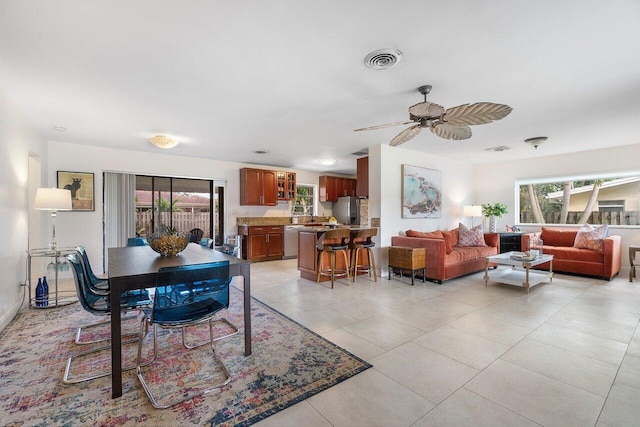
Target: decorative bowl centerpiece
x,y
168,243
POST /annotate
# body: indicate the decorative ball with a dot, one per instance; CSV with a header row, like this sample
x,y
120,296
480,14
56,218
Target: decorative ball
x,y
168,244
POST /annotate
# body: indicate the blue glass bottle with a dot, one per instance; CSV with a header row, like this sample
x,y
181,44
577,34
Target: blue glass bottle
x,y
45,295
39,293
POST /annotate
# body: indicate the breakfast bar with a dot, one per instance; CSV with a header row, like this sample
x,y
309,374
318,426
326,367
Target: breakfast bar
x,y
308,253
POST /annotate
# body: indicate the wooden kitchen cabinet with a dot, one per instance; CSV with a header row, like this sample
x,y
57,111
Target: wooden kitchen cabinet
x,y
258,187
362,175
286,185
262,243
332,187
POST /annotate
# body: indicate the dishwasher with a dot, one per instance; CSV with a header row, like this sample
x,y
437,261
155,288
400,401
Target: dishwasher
x,y
291,241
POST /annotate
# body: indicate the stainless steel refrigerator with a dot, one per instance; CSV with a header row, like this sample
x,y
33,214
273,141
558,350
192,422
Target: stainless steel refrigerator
x,y
347,210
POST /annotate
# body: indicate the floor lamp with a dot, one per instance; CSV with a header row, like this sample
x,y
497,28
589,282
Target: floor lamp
x,y
54,200
472,211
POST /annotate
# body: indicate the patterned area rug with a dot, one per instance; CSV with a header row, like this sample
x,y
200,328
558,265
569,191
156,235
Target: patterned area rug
x,y
289,364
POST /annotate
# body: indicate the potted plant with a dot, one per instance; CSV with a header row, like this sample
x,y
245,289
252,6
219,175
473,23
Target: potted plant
x,y
497,210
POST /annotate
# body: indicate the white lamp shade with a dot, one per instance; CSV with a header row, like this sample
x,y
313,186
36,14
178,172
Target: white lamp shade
x,y
52,199
473,210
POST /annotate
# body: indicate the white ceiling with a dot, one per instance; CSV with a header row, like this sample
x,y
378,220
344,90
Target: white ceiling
x,y
231,77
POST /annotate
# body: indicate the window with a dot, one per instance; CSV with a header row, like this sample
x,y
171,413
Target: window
x,y
179,203
305,202
603,199
610,205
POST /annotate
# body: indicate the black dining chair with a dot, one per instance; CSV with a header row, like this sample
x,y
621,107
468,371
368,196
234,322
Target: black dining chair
x,y
195,235
98,303
185,296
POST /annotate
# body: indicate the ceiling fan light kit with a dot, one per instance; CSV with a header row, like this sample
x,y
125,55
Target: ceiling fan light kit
x,y
162,141
451,123
534,142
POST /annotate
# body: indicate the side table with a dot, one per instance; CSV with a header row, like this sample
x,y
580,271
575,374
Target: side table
x,y
406,258
510,242
632,257
57,297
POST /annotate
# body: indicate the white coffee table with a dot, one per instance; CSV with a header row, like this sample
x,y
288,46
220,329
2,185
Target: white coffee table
x,y
520,273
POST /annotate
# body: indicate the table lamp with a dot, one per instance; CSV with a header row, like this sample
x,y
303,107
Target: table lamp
x,y
472,211
54,200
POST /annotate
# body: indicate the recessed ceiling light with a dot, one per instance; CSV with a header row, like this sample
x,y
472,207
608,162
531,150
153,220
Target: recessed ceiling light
x,y
261,151
162,141
327,162
59,128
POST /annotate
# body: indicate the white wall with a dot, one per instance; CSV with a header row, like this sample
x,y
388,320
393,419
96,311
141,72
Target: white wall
x,y
385,193
18,141
495,182
74,228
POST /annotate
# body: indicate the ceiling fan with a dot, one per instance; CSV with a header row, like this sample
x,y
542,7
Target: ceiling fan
x,y
450,123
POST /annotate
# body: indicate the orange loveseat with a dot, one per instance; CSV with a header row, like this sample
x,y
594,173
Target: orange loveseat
x,y
567,259
445,260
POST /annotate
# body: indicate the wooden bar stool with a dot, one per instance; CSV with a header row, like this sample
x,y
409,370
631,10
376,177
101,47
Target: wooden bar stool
x,y
331,242
361,240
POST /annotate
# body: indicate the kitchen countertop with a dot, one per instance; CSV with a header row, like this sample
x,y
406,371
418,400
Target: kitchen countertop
x,y
322,228
277,220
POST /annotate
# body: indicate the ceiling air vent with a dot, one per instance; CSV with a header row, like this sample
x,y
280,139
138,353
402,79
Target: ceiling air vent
x,y
498,148
382,59
362,152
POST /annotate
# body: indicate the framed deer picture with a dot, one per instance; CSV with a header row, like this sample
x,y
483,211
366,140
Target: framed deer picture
x,y
82,189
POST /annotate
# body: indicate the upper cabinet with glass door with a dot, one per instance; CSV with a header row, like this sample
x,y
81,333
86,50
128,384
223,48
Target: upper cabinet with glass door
x,y
286,186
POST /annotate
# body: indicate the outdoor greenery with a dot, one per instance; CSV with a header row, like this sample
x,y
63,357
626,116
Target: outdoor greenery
x,y
165,206
303,205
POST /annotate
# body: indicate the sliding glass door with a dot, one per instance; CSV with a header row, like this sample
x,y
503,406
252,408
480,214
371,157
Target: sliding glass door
x,y
179,204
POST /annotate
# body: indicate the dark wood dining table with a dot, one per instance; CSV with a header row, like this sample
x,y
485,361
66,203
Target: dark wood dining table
x,y
136,267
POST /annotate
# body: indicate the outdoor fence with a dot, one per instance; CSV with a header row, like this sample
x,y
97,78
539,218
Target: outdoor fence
x,y
611,218
183,221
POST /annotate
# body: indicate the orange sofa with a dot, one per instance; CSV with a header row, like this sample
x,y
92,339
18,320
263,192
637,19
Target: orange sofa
x,y
446,261
587,262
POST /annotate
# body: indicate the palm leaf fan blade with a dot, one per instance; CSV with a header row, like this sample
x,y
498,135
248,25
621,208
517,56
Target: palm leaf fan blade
x,y
406,122
405,135
450,131
476,114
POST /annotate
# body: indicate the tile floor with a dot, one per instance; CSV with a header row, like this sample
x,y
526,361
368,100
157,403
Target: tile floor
x,y
462,354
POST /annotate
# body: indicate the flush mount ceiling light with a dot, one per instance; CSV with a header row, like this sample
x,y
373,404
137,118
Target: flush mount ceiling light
x,y
327,162
534,142
162,141
382,59
498,148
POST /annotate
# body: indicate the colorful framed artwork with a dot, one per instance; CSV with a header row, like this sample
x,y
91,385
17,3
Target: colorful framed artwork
x,y
421,192
82,189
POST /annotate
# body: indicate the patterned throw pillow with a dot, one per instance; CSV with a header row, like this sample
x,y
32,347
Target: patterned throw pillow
x,y
590,237
473,237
